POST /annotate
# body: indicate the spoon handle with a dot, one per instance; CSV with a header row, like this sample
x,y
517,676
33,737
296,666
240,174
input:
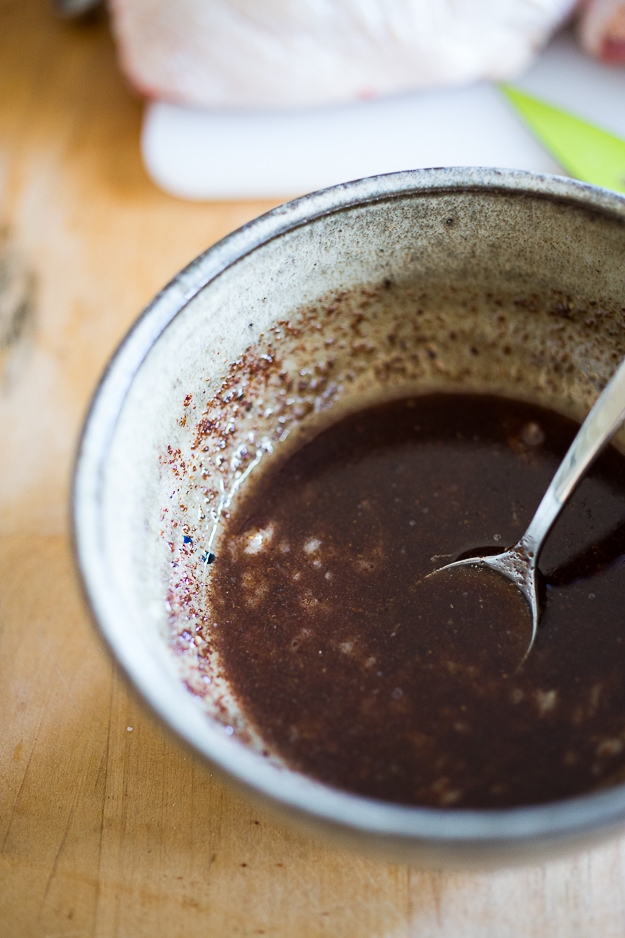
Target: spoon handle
x,y
597,429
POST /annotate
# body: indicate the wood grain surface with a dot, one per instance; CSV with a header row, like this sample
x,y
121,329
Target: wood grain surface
x,y
107,826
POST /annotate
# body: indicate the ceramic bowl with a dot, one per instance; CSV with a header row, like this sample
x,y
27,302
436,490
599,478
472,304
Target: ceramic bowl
x,y
519,283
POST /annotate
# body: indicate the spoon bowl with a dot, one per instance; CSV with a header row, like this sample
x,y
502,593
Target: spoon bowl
x,y
517,564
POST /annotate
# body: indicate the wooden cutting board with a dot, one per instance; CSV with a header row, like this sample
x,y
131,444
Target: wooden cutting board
x,y
107,826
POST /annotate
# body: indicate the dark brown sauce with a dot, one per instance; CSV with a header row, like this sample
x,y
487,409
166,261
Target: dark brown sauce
x,y
357,671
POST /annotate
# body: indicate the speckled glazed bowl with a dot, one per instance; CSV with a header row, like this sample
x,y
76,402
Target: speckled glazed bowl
x,y
519,286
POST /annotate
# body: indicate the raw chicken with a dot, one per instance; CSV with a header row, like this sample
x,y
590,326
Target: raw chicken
x,y
238,54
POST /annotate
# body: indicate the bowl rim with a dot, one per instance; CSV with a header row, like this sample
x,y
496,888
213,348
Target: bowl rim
x,y
507,828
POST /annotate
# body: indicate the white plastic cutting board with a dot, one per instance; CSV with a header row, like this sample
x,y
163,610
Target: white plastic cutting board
x,y
198,154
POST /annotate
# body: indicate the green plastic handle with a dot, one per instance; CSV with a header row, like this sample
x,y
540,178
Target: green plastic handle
x,y
583,150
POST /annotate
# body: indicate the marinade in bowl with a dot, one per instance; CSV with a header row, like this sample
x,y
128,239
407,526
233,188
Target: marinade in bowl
x,y
359,669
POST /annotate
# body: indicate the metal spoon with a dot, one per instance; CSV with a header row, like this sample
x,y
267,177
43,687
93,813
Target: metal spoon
x,y
519,563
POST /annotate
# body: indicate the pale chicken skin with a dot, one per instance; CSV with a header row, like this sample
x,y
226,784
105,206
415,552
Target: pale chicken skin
x,y
239,54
